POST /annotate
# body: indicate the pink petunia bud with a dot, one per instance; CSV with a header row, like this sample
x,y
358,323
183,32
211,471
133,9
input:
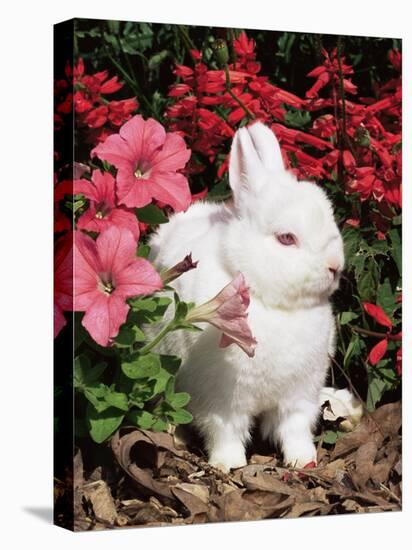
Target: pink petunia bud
x,y
174,272
227,311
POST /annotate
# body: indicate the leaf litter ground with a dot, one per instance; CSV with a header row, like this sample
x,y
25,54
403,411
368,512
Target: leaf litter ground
x,y
157,479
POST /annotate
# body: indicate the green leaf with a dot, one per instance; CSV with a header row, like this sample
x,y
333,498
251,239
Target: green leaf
x,y
160,425
351,242
347,316
144,304
170,363
385,298
96,396
141,393
81,367
179,400
358,262
169,366
106,166
84,373
114,26
143,419
170,389
143,366
148,310
368,283
102,397
181,311
296,118
128,335
395,238
352,349
118,400
158,58
330,437
180,416
143,250
151,214
376,389
102,425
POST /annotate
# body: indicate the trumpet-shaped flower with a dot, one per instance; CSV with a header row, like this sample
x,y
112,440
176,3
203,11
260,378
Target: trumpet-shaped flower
x,y
148,161
227,311
107,273
103,212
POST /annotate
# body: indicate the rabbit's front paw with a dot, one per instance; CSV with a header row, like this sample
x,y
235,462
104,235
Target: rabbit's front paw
x,y
298,455
227,458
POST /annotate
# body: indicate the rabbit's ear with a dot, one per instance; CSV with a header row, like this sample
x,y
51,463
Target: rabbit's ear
x,y
266,146
255,152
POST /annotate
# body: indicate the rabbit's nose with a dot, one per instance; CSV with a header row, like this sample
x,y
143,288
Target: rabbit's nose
x,y
333,270
333,266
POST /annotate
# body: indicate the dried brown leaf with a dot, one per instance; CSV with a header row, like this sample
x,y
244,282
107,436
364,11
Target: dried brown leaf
x,y
248,505
122,447
301,508
198,490
332,469
352,506
101,500
364,463
267,482
193,503
383,468
383,422
78,473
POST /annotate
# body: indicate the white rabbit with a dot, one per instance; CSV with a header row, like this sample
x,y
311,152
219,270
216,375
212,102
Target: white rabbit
x,y
281,234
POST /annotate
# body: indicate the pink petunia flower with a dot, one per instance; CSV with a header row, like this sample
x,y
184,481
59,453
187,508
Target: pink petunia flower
x,y
148,161
63,280
103,212
106,273
227,311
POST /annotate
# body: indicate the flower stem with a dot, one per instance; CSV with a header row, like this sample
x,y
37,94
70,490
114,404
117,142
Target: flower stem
x,y
342,98
374,333
187,40
168,328
247,111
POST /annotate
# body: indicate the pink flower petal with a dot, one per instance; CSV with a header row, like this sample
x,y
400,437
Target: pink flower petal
x,y
105,184
143,137
86,266
104,317
171,188
227,311
131,191
85,188
116,151
127,219
116,247
89,221
247,344
138,278
63,272
172,156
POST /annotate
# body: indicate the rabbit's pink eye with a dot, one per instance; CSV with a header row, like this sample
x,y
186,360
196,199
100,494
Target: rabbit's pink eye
x,y
286,238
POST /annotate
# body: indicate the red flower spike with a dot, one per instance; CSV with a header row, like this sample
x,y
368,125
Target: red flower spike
x,y
378,314
378,351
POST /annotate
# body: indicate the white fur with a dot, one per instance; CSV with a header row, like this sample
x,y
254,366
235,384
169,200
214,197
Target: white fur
x,y
289,314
